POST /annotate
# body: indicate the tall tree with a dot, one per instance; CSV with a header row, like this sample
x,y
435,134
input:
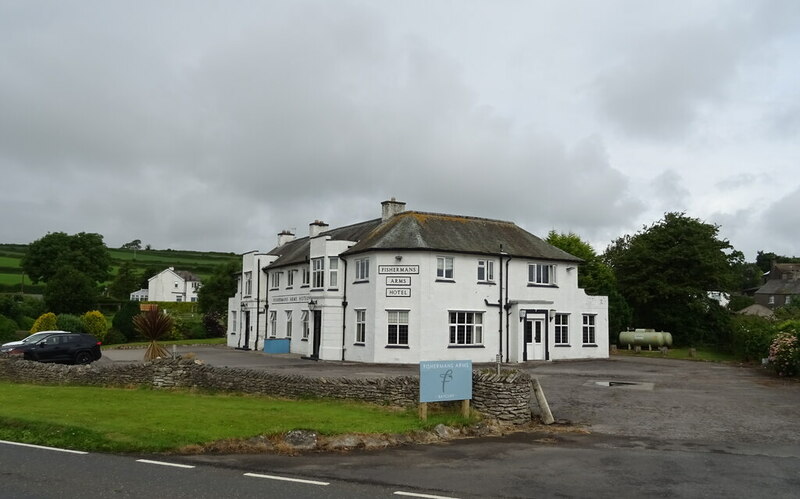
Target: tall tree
x,y
126,282
666,271
596,278
83,252
70,291
214,293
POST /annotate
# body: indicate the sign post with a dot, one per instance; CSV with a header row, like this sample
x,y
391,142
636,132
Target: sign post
x,y
444,381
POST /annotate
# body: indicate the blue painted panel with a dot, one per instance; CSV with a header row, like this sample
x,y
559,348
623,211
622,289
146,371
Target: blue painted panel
x,y
276,345
443,380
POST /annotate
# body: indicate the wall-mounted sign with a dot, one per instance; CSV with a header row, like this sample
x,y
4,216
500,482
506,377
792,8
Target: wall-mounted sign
x,y
398,292
398,281
290,299
398,269
442,380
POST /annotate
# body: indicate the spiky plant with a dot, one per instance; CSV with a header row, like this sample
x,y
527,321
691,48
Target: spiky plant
x,y
153,324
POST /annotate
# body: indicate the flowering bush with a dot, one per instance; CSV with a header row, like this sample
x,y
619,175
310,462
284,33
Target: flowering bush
x,y
784,354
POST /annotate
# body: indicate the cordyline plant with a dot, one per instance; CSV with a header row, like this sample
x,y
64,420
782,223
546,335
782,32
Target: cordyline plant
x,y
153,324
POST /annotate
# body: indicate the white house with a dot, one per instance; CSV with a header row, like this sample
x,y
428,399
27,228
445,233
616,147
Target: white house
x,y
173,285
413,286
140,295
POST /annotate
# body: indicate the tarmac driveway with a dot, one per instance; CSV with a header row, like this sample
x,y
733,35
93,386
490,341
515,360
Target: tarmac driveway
x,y
636,397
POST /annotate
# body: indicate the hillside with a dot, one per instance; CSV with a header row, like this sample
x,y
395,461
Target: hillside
x,y
198,262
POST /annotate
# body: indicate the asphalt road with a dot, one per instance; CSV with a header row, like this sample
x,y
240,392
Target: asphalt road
x,y
637,427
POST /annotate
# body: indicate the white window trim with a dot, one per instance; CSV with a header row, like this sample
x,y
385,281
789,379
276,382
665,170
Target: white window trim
x,y
561,336
304,320
589,327
537,278
488,270
273,323
362,269
477,328
333,272
361,326
442,270
288,323
398,324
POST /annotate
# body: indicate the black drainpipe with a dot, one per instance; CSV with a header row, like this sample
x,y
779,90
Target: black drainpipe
x,y
507,308
241,314
266,307
344,306
258,299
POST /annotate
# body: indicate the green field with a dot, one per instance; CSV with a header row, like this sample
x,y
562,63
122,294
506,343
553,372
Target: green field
x,y
142,420
198,262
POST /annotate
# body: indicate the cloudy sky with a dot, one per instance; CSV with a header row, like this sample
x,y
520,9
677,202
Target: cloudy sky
x,y
215,125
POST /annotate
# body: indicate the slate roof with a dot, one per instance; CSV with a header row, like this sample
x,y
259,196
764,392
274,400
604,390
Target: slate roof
x,y
186,275
414,230
779,287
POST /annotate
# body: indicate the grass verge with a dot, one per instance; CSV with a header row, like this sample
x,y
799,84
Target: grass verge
x,y
143,420
701,354
202,341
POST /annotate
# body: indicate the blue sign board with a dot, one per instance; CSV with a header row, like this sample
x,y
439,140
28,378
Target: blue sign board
x,y
443,380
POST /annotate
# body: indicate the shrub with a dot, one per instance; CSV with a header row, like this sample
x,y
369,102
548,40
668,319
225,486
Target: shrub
x,y
45,322
153,324
114,337
69,322
123,320
95,323
8,329
751,337
784,354
212,322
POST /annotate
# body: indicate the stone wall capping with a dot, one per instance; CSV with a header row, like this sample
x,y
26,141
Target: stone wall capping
x,y
505,397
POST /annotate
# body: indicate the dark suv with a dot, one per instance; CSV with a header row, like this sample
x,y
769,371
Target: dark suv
x,y
70,348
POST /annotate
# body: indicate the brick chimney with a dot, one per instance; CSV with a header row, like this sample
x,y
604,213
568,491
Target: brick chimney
x,y
391,208
315,227
284,237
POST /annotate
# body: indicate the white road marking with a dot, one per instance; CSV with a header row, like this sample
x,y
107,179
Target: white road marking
x,y
162,463
43,447
428,496
285,479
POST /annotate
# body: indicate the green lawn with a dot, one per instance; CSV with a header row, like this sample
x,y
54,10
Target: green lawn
x,y
203,341
142,420
703,354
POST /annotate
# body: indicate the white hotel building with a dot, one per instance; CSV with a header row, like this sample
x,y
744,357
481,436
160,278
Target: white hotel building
x,y
413,286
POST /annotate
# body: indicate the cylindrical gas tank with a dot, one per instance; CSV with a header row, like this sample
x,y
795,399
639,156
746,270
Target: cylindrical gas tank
x,y
645,338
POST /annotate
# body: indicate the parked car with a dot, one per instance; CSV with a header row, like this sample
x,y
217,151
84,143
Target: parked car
x,y
69,348
6,347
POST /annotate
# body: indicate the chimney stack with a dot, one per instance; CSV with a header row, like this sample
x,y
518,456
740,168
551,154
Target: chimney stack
x,y
315,227
391,208
284,237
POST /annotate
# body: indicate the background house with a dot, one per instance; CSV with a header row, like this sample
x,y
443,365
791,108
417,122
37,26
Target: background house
x,y
173,285
782,284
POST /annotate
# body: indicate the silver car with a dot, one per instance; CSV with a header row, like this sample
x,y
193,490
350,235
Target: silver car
x,y
7,347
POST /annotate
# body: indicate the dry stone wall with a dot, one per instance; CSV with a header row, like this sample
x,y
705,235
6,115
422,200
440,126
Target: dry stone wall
x,y
505,396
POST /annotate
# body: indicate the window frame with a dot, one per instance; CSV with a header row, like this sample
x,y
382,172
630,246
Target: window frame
x,y
486,267
442,269
304,321
288,323
395,326
248,283
318,273
362,269
333,272
537,276
589,329
361,326
273,323
561,329
471,323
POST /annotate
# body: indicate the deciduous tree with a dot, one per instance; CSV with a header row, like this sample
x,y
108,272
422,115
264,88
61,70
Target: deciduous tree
x,y
83,252
666,271
221,285
70,291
